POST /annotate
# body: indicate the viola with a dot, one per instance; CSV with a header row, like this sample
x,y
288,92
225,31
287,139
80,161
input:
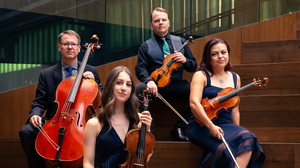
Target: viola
x,y
139,142
162,76
60,140
227,99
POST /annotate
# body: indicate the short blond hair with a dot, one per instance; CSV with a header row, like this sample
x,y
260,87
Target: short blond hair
x,y
158,9
69,32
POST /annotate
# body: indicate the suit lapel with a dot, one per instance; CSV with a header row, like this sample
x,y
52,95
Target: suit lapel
x,y
57,74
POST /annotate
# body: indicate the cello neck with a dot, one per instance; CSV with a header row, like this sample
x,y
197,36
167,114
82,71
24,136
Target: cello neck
x,y
77,81
74,89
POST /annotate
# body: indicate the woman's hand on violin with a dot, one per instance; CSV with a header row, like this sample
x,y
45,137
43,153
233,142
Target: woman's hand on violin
x,y
215,131
88,75
151,85
146,119
36,121
178,57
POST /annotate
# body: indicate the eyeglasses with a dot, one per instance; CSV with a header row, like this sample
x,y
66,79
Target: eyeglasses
x,y
65,45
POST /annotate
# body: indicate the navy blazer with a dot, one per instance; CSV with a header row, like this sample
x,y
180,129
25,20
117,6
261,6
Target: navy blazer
x,y
49,80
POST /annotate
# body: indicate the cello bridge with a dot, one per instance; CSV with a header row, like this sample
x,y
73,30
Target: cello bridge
x,y
65,114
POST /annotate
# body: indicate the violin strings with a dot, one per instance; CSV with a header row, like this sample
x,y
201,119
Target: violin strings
x,y
140,157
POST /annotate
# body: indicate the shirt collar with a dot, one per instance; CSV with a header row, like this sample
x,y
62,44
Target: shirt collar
x,y
167,36
64,65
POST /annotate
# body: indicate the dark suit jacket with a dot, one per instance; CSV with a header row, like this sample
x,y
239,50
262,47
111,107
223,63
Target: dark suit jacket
x,y
49,80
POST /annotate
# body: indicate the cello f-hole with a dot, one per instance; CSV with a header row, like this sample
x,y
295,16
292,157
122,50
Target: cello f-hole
x,y
78,119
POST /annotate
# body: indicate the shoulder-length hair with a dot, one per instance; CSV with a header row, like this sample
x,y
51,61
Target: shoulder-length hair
x,y
106,109
206,57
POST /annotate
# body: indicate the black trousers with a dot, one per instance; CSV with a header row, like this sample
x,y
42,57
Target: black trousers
x,y
28,134
176,89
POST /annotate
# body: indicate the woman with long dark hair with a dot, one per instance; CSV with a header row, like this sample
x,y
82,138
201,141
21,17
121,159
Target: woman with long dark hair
x,y
104,135
214,75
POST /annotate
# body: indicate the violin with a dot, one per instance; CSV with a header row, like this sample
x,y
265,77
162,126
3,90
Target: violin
x,y
227,99
162,76
60,140
139,142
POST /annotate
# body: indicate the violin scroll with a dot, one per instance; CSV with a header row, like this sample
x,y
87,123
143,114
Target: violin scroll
x,y
146,96
189,41
261,83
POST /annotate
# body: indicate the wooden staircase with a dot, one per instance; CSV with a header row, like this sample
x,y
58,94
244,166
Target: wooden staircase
x,y
266,49
272,114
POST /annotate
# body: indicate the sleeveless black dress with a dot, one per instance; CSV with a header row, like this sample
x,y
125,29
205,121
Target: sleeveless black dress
x,y
238,138
109,151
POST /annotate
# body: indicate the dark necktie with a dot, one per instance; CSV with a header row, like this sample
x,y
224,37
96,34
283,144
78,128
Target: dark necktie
x,y
69,70
165,47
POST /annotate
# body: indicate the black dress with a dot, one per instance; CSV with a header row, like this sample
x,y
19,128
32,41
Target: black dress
x,y
109,151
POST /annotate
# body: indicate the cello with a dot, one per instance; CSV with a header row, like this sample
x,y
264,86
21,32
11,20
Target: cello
x,y
139,143
162,75
60,140
227,99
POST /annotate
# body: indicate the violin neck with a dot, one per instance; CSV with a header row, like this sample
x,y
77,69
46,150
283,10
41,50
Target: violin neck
x,y
74,89
233,93
184,44
169,63
181,48
142,140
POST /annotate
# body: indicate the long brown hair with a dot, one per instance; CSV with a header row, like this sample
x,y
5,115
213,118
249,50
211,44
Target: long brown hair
x,y
206,57
106,109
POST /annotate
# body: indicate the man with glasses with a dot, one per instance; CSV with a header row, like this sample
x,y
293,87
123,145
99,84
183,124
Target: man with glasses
x,y
49,79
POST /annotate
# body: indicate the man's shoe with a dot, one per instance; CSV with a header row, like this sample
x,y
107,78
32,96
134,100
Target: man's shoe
x,y
177,134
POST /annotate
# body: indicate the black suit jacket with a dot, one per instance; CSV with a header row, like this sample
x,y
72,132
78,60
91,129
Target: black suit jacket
x,y
49,80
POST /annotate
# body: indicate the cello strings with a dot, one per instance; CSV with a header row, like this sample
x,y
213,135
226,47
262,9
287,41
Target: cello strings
x,y
66,108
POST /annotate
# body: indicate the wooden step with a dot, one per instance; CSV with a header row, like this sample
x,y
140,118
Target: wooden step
x,y
270,51
169,154
284,78
261,114
12,155
270,111
186,155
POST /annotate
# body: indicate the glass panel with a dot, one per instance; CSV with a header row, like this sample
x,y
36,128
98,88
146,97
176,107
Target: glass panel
x,y
29,29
